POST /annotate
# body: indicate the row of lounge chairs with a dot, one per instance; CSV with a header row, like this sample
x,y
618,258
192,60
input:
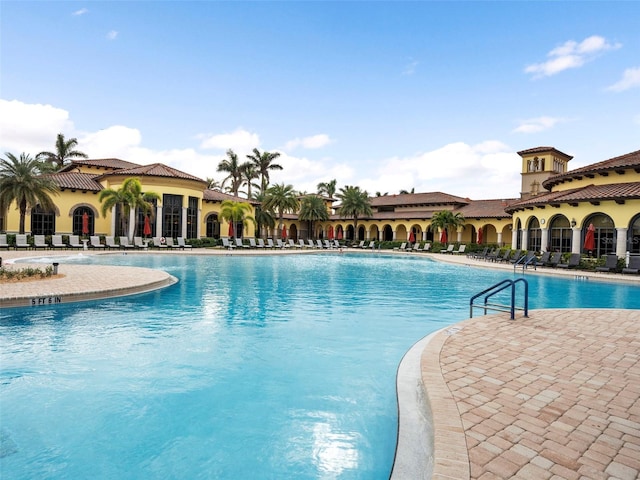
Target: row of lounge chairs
x,y
74,242
279,243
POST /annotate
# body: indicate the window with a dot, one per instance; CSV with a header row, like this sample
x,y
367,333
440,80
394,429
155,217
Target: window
x,y
534,236
213,226
192,218
171,216
634,236
560,235
42,223
76,221
605,234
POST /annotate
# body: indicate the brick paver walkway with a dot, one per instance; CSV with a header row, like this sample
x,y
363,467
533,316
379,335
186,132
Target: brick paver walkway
x,y
552,396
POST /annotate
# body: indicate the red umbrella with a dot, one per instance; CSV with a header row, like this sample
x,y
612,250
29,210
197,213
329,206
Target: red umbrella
x,y
85,224
330,234
443,236
479,235
590,238
284,232
339,236
147,226
412,237
231,229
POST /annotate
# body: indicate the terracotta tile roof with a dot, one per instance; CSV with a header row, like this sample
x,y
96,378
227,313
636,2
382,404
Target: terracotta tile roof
x,y
487,208
621,163
542,150
106,163
430,198
154,170
76,181
218,196
590,193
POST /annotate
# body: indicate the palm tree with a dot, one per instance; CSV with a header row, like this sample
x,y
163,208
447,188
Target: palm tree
x,y
354,203
313,208
264,218
249,172
235,212
64,151
231,166
213,184
21,181
327,188
447,220
404,192
264,162
281,199
128,197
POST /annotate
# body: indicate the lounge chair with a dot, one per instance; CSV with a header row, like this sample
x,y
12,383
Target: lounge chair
x,y
74,241
574,261
319,244
158,243
416,247
504,258
39,242
372,244
449,249
124,243
138,243
610,264
280,244
360,245
110,242
3,241
526,260
95,242
252,243
182,244
261,243
227,244
270,243
554,260
516,256
302,244
336,244
327,244
402,247
544,258
477,255
171,243
21,241
634,265
56,242
311,243
425,248
461,249
293,244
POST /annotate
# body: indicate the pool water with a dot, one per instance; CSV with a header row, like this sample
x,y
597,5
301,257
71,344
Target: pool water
x,y
264,367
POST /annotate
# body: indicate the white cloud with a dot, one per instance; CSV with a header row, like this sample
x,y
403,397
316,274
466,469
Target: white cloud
x,y
571,54
240,140
539,124
630,79
80,12
410,68
112,35
312,142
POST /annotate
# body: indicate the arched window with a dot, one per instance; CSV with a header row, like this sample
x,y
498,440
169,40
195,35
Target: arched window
x,y
387,233
518,235
171,215
534,236
633,237
560,235
76,221
605,234
360,233
42,223
213,226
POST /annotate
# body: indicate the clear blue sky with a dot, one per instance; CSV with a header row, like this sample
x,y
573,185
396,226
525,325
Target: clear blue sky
x,y
436,96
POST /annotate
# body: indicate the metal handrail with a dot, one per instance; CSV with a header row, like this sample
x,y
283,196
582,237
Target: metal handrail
x,y
497,288
525,263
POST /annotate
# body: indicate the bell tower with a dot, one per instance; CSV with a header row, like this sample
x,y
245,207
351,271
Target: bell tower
x,y
538,164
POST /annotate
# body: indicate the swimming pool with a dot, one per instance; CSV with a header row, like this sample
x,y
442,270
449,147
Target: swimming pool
x,y
249,367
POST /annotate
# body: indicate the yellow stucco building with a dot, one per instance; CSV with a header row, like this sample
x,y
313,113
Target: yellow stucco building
x,y
554,208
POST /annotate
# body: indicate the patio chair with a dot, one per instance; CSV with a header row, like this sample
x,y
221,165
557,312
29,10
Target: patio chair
x,y
39,242
226,244
138,243
21,241
504,258
449,249
402,247
425,248
270,243
158,242
56,242
516,256
319,244
171,243
610,264
124,242
544,258
311,244
74,241
477,255
261,243
252,243
280,244
3,241
372,244
336,244
95,242
293,244
554,260
327,244
634,265
360,245
461,249
182,244
110,242
574,261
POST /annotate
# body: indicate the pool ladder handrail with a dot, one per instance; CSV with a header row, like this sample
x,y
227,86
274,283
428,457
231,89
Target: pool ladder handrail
x,y
525,263
498,287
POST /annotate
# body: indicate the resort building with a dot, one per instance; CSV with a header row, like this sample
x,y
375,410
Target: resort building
x,y
553,212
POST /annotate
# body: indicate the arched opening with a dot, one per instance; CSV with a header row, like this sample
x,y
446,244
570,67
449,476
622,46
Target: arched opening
x,y
77,221
604,235
534,235
560,234
293,232
518,234
373,232
42,222
349,233
633,235
387,233
212,226
361,232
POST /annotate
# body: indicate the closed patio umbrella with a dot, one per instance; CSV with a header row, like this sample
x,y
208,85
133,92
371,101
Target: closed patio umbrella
x,y
590,239
412,237
283,235
330,234
230,229
443,236
147,226
480,236
85,224
339,237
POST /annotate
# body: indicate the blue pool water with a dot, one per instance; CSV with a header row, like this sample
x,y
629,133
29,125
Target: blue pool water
x,y
263,367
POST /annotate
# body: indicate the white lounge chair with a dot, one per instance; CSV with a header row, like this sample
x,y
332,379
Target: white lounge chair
x,y
227,244
281,244
301,243
270,243
3,241
261,243
449,249
402,247
252,243
110,242
21,241
138,243
39,242
182,244
311,244
56,242
74,241
319,244
360,245
124,243
327,244
95,242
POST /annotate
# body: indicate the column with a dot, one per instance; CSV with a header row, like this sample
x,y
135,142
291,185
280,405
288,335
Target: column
x,y
514,237
544,239
525,239
158,221
113,220
132,223
499,239
183,232
621,242
575,240
199,225
459,236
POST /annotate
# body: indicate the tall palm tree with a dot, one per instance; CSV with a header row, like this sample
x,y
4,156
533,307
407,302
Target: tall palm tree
x,y
249,173
231,166
313,208
264,163
327,188
235,212
127,198
447,220
264,218
213,184
64,151
354,203
281,199
21,182
404,192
